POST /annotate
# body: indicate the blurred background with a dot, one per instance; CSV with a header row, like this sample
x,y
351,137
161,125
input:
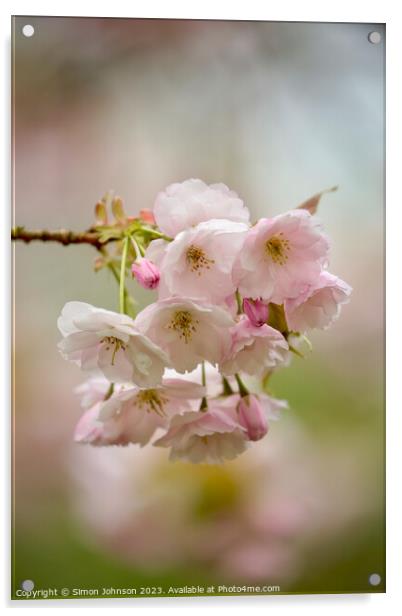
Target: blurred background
x,y
278,112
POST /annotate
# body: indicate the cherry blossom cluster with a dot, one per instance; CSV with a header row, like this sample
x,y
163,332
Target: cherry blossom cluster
x,y
234,299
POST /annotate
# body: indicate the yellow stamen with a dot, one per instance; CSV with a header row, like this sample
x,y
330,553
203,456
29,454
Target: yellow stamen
x,y
151,400
197,259
276,248
184,323
116,343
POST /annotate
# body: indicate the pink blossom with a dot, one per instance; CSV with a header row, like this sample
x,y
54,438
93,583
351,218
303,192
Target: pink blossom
x,y
230,304
132,415
188,330
181,206
199,261
89,429
254,349
211,436
318,305
146,273
280,256
107,342
93,390
256,310
254,412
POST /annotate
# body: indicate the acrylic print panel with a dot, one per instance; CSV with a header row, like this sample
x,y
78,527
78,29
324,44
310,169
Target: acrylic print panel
x,y
198,350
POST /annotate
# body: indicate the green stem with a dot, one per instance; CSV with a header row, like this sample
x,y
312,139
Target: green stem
x,y
114,271
243,391
157,234
204,402
203,375
109,392
141,249
265,380
292,349
308,342
136,248
239,302
116,276
227,389
122,288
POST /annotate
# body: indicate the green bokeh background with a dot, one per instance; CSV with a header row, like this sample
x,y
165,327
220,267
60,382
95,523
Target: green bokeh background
x,y
278,111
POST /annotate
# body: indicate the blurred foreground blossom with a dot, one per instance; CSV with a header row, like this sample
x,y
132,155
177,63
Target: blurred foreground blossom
x,y
249,520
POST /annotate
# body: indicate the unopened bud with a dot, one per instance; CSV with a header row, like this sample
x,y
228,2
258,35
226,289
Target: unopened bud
x,y
146,273
256,310
252,417
100,213
118,210
147,216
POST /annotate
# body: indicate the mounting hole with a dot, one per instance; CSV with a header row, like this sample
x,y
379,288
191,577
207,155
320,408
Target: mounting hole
x,y
374,38
28,30
27,585
374,579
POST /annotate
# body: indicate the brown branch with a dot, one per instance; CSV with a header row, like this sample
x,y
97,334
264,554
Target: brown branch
x,y
62,236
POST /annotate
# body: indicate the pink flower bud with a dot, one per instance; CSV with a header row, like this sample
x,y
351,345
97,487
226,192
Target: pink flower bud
x,y
146,273
256,310
252,417
147,216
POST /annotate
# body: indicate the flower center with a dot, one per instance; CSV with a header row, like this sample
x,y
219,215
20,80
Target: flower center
x,y
277,248
151,400
184,323
197,259
116,343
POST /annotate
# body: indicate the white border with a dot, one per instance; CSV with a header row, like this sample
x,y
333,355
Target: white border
x,y
305,10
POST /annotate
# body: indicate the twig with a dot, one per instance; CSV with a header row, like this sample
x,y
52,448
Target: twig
x,y
62,236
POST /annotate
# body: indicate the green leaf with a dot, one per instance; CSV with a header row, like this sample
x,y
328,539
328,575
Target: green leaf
x,y
108,233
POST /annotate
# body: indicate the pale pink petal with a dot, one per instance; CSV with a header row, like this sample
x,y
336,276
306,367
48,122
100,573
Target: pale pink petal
x,y
183,205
